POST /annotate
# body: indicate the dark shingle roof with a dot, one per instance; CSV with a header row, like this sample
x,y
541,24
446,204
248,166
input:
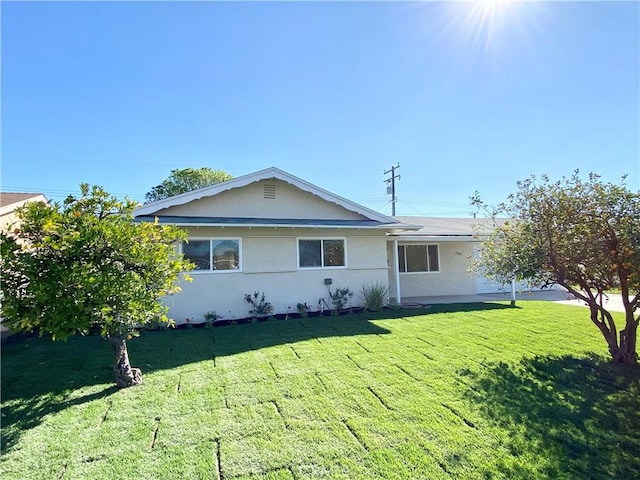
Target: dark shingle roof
x,y
301,222
443,227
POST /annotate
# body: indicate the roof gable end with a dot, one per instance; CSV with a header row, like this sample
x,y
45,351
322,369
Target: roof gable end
x,y
267,174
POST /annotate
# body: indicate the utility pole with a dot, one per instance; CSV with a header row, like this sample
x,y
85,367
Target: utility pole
x,y
391,187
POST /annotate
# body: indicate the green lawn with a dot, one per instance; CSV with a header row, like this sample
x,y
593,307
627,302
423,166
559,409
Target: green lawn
x,y
476,391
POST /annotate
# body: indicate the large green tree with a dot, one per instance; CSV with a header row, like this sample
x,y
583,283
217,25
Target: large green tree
x,y
185,180
85,264
582,234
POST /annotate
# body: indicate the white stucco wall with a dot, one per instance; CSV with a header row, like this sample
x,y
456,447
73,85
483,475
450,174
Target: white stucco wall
x,y
9,218
250,202
453,278
269,259
8,221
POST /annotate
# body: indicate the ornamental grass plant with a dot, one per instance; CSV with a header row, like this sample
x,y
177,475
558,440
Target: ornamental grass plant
x,y
375,296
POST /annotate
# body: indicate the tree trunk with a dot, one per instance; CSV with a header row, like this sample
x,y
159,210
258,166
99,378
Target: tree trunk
x,y
627,354
125,375
622,344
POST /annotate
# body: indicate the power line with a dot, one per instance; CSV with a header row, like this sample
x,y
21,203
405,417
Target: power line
x,y
61,194
437,203
461,212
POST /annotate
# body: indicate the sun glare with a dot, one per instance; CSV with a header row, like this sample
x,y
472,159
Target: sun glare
x,y
485,25
484,34
486,17
495,2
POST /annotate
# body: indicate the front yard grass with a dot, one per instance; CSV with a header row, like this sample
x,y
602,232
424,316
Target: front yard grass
x,y
473,391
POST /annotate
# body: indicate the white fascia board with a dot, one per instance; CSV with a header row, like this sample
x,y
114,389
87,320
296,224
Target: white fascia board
x,y
437,238
152,208
280,225
399,229
337,199
210,191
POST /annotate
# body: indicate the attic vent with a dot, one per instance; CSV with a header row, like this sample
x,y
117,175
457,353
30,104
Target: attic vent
x,y
269,190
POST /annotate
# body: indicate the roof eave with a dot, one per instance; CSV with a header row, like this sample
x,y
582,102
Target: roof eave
x,y
290,223
288,226
441,238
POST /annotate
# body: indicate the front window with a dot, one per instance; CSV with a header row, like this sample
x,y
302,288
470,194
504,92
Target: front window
x,y
418,258
321,253
216,254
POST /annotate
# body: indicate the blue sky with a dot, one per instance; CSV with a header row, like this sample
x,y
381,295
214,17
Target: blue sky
x,y
465,96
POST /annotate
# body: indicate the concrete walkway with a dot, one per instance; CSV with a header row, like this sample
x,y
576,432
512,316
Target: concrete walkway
x,y
614,302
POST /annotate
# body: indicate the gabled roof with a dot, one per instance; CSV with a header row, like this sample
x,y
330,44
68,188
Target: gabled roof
x,y
9,198
151,209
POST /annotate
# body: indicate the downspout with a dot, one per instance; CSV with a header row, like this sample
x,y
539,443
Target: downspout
x,y
396,272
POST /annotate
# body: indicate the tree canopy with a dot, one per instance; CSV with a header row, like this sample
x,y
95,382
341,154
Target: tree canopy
x,y
185,180
582,234
85,265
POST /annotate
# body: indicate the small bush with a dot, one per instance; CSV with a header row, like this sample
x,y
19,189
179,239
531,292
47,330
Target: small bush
x,y
211,317
375,296
260,306
340,299
303,309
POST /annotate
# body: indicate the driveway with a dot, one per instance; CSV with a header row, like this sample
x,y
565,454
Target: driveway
x,y
613,302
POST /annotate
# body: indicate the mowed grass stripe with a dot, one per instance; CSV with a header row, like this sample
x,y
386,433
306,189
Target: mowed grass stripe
x,y
456,391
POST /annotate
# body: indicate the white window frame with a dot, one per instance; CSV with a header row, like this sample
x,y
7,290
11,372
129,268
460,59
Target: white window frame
x,y
427,245
212,270
322,240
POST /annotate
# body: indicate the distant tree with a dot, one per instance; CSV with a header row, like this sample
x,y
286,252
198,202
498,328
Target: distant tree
x,y
581,234
186,180
83,265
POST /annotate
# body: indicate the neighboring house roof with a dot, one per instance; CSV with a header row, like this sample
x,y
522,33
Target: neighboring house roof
x,y
372,219
9,201
7,198
437,228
